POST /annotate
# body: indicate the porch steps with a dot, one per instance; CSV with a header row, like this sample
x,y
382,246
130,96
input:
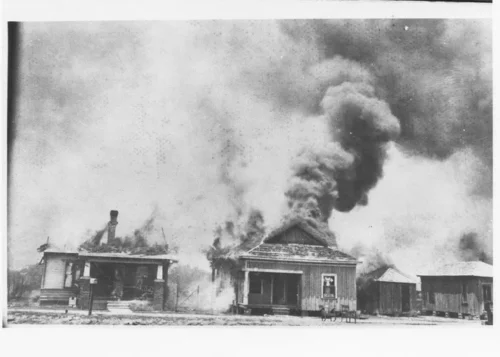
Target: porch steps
x,y
119,306
281,311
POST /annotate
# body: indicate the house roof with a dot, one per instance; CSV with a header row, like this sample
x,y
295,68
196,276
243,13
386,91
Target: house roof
x,y
127,256
299,252
112,255
322,235
390,274
59,251
475,268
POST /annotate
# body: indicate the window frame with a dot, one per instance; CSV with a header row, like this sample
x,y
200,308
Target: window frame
x,y
323,275
74,268
464,292
431,295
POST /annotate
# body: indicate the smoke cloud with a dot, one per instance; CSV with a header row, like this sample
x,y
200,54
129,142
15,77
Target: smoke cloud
x,y
213,120
342,173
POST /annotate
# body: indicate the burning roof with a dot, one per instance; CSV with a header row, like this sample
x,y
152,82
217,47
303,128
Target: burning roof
x,y
476,268
127,255
298,252
315,229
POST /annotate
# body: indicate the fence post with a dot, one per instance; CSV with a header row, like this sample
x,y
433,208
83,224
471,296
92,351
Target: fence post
x,y
177,296
198,298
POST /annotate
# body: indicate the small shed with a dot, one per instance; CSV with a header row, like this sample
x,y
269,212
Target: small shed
x,y
297,267
387,291
462,288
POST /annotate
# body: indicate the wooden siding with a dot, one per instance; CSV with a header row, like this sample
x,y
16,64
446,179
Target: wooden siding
x,y
294,235
311,284
56,295
390,299
448,294
55,273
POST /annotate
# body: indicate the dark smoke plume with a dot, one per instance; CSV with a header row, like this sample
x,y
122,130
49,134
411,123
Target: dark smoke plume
x,y
472,249
340,175
435,76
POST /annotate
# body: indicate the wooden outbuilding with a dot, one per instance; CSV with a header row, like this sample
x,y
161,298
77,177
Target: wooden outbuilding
x,y
463,289
296,268
387,291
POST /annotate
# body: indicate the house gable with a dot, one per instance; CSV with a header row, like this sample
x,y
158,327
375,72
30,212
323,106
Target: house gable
x,y
294,235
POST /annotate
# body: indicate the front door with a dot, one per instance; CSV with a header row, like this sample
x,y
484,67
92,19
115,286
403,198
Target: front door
x,y
286,289
405,298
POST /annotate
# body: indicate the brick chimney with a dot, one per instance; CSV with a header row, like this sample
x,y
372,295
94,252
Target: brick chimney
x,y
110,234
112,224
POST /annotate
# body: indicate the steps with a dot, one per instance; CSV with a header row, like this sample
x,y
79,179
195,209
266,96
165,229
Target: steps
x,y
281,311
119,307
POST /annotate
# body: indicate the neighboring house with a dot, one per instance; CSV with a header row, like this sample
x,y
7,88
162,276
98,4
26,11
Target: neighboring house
x,y
463,288
297,267
387,291
118,276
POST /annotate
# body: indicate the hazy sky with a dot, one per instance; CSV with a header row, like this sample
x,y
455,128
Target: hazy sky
x,y
196,121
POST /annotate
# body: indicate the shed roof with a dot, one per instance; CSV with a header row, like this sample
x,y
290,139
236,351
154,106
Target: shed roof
x,y
390,274
321,234
299,252
475,268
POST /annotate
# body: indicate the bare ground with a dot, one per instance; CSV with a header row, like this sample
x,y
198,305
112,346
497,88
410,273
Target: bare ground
x,y
18,316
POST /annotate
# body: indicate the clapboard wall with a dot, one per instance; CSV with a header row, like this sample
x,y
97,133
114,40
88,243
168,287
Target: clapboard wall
x,y
390,297
55,270
448,294
311,284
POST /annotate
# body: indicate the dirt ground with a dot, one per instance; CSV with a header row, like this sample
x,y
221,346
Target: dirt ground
x,y
19,316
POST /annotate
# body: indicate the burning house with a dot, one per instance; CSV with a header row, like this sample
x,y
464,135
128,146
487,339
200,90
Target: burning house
x,y
387,291
462,289
117,274
297,267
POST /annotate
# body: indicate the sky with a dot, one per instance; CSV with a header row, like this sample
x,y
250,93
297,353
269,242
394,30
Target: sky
x,y
201,122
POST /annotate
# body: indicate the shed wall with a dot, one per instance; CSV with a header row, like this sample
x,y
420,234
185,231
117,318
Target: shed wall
x,y
390,298
448,294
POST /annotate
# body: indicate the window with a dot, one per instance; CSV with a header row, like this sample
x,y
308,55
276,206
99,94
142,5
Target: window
x,y
431,295
68,278
487,292
71,274
329,286
255,284
464,291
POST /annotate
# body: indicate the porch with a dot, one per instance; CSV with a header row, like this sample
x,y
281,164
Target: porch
x,y
122,277
274,290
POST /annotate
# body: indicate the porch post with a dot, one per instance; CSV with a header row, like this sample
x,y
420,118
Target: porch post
x,y
84,294
159,272
272,287
86,269
246,286
159,289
